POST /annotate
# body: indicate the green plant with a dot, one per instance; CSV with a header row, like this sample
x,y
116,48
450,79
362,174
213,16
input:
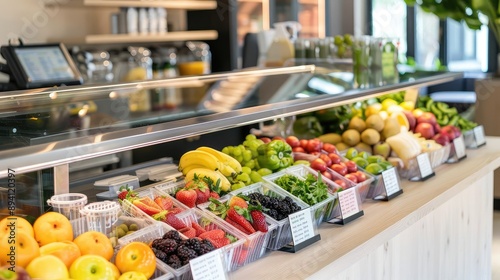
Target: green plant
x,y
474,13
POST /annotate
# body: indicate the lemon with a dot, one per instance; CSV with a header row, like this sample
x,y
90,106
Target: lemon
x,y
407,105
388,103
373,109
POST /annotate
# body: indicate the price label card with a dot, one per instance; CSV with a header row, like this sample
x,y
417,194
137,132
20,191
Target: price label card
x,y
301,225
479,135
208,267
391,182
348,201
424,164
459,144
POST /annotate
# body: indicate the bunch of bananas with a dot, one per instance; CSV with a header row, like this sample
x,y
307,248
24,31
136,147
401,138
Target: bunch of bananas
x,y
208,162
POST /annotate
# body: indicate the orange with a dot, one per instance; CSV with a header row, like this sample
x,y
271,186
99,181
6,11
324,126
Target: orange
x,y
25,249
94,243
17,224
51,227
136,256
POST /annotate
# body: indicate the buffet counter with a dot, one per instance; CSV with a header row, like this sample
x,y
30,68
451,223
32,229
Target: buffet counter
x,y
437,229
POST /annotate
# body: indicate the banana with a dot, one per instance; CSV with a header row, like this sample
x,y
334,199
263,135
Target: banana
x,y
198,158
222,157
215,176
186,169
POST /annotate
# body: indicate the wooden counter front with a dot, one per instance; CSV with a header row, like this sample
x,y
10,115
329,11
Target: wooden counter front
x,y
437,229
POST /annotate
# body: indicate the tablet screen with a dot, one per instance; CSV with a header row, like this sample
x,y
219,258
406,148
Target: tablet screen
x,y
45,64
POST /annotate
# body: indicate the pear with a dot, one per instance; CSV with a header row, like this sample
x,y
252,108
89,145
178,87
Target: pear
x,y
391,127
383,149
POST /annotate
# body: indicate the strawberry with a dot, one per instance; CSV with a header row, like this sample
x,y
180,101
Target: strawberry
x,y
189,232
202,196
187,196
214,195
164,201
258,220
198,228
213,234
241,217
219,242
236,225
201,186
169,218
146,208
237,201
126,194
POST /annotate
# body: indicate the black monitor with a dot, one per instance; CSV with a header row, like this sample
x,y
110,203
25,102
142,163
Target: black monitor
x,y
36,66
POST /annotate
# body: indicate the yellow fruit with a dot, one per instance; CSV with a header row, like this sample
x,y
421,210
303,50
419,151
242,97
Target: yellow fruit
x,y
417,112
341,146
357,123
383,114
17,223
133,275
391,127
92,267
332,138
402,120
373,109
376,122
394,109
52,227
370,136
47,267
407,105
66,251
94,243
351,137
388,103
25,249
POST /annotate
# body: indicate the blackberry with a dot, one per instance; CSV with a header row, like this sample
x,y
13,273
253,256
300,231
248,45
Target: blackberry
x,y
185,253
166,245
160,255
173,234
174,262
273,213
194,244
205,247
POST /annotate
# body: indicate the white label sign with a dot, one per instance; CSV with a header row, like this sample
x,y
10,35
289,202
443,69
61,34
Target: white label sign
x,y
391,182
424,164
459,144
479,135
301,225
208,267
348,202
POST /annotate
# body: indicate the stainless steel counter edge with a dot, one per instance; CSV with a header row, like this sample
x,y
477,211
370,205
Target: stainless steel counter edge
x,y
48,155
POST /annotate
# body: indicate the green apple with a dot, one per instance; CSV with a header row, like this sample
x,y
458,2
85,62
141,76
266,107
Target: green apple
x,y
91,267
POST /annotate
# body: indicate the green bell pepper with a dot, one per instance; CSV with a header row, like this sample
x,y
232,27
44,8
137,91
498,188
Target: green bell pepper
x,y
275,155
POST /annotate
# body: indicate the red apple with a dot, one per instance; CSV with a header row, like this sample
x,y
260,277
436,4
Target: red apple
x,y
313,146
335,158
293,141
319,165
426,130
339,168
426,117
352,177
361,176
437,128
412,121
351,166
298,150
327,174
452,131
303,143
441,138
329,148
326,159
265,139
341,183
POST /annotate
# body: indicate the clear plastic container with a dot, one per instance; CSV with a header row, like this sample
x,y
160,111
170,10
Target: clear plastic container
x,y
324,210
156,231
70,204
436,158
283,235
101,216
115,183
134,211
256,243
362,188
130,222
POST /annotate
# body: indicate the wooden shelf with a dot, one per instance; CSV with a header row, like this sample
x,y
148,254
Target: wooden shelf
x,y
169,4
167,37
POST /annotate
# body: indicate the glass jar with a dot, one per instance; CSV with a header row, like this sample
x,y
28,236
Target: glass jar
x,y
195,59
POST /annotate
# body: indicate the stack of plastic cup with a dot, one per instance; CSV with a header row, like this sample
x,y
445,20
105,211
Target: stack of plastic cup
x,y
70,204
101,216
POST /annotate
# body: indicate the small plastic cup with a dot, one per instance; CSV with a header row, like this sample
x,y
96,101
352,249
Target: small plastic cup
x,y
101,216
70,204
